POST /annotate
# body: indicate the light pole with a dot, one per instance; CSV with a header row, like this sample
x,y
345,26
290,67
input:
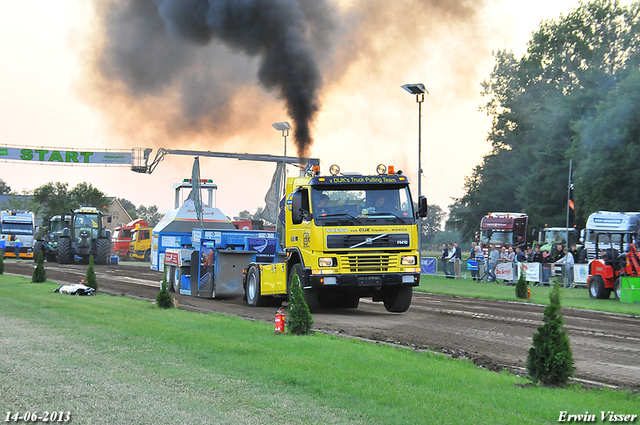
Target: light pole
x,y
419,90
283,126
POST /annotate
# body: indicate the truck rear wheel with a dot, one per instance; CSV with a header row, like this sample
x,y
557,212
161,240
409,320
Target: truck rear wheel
x,y
597,289
398,300
65,256
147,255
102,251
169,276
254,299
310,294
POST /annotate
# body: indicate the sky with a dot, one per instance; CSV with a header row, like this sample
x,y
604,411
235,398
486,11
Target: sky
x,y
54,93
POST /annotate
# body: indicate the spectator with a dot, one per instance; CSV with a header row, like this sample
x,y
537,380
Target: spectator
x,y
546,267
567,263
494,257
530,255
520,257
479,257
457,260
537,255
472,256
510,258
444,259
17,244
451,259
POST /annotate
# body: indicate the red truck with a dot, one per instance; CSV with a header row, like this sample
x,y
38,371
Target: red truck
x,y
504,229
122,238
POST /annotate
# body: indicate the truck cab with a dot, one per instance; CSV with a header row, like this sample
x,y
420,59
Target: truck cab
x,y
353,236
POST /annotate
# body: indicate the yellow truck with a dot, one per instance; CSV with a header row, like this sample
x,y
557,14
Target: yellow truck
x,y
345,237
140,245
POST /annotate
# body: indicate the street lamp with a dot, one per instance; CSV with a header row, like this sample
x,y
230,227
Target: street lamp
x,y
283,126
419,90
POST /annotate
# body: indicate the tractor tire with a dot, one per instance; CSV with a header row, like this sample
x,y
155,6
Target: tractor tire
x,y
310,294
177,279
37,249
65,254
617,288
102,251
252,289
51,257
398,300
596,288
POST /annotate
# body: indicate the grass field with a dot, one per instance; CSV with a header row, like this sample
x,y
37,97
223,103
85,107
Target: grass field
x,y
114,360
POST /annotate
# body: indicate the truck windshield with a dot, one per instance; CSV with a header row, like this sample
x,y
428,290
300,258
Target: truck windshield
x,y
558,236
17,228
86,220
352,206
495,237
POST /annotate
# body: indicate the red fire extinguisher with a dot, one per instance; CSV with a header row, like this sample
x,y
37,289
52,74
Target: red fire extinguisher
x,y
279,320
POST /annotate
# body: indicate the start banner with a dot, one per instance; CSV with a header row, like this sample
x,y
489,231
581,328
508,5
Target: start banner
x,y
68,157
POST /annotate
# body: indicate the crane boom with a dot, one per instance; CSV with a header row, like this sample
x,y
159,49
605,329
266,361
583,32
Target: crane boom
x,y
140,158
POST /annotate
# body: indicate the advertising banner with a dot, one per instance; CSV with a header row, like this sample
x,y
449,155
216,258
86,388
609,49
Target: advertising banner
x,y
504,271
580,273
428,265
532,271
68,157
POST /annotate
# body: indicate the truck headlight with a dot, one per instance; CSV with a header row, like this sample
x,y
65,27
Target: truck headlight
x,y
326,261
408,260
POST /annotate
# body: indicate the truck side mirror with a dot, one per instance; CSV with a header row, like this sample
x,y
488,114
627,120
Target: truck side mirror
x,y
296,208
422,206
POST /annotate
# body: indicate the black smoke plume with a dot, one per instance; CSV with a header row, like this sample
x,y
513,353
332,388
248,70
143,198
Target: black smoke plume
x,y
151,43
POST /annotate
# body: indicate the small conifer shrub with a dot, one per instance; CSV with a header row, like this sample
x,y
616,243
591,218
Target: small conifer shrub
x,y
90,279
300,319
521,286
550,360
164,299
39,273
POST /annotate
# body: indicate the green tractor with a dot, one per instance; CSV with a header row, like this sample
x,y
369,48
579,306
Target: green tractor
x,y
84,236
49,244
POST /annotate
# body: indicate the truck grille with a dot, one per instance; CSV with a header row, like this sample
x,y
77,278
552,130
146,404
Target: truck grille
x,y
391,240
368,263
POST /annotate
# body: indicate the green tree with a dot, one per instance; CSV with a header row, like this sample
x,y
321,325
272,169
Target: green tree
x,y
39,273
432,223
574,86
521,286
129,207
90,279
54,198
84,194
4,188
151,215
164,299
300,319
550,360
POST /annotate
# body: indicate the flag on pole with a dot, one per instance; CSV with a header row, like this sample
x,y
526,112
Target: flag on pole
x,y
270,212
195,189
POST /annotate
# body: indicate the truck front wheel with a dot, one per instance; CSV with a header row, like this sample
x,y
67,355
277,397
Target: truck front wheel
x,y
398,300
254,299
310,294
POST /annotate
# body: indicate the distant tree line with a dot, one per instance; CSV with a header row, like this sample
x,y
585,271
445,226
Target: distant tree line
x,y
55,198
574,94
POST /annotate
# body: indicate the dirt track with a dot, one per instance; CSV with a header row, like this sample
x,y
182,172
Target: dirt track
x,y
494,334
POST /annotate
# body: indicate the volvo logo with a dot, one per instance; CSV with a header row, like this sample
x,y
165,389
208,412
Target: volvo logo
x,y
368,241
